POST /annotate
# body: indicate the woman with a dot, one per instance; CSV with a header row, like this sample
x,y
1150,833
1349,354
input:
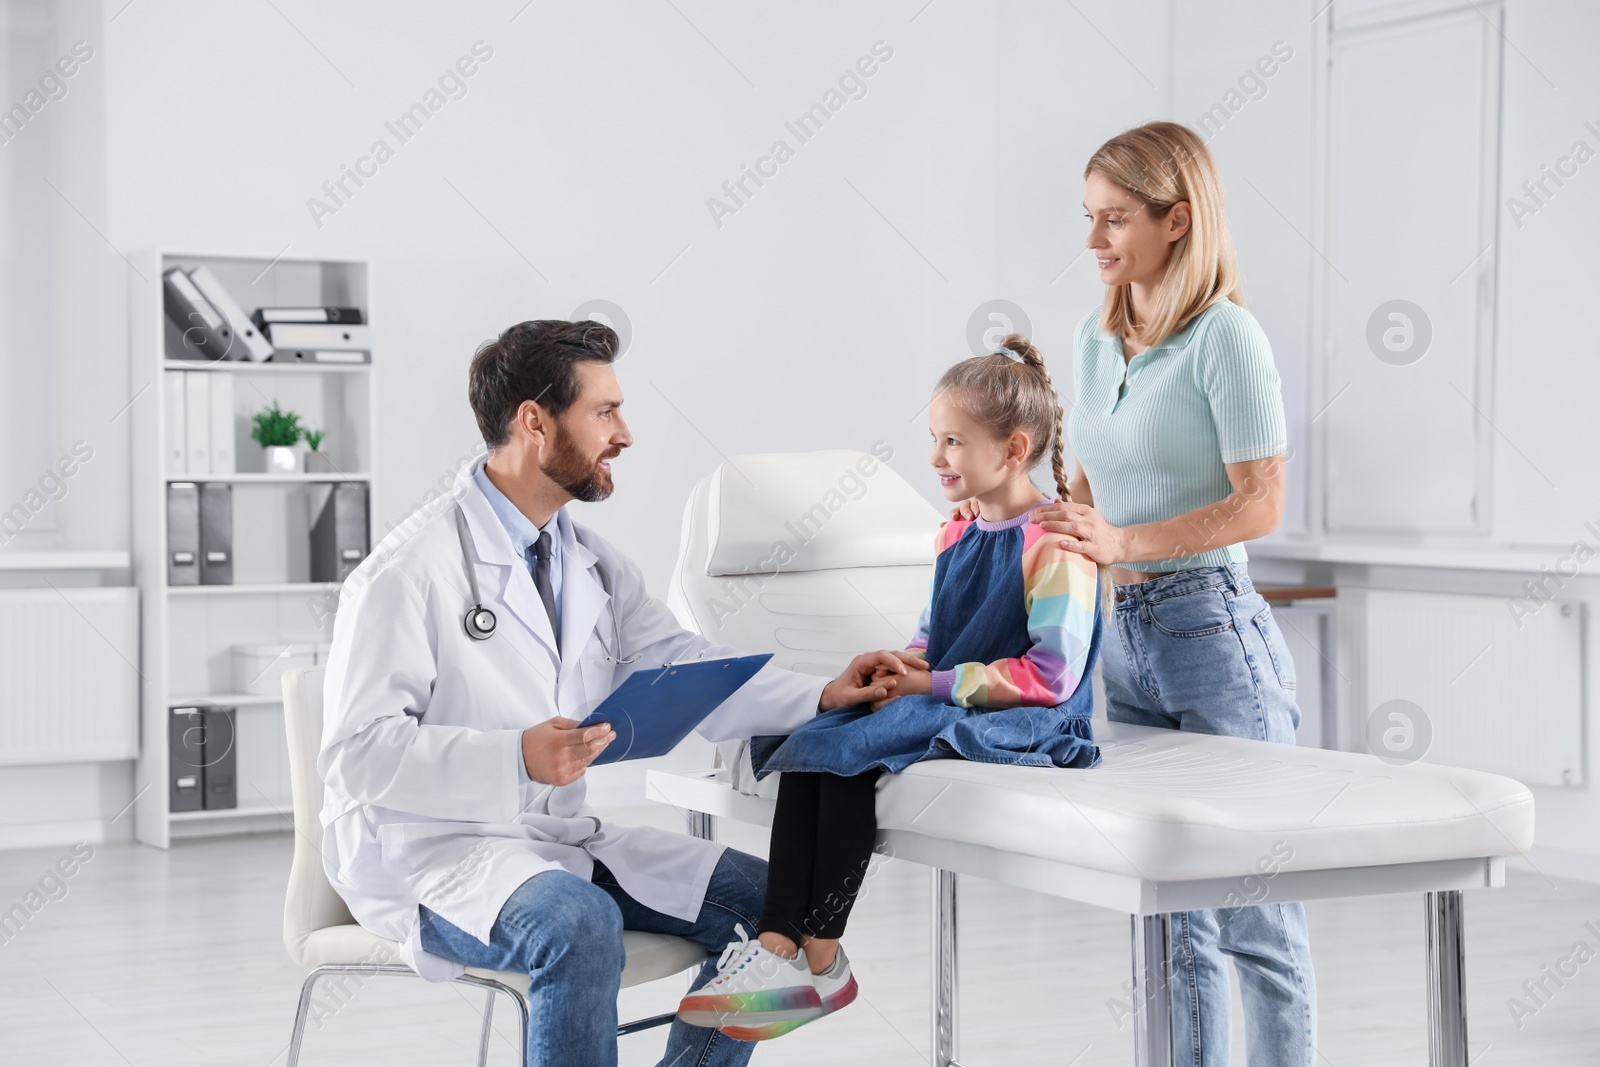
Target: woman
x,y
1178,431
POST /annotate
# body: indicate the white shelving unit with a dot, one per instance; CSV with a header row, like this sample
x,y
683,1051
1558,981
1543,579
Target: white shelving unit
x,y
262,479
65,560
188,632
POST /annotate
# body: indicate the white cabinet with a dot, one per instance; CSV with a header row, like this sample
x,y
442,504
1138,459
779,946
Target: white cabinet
x,y
188,631
1408,276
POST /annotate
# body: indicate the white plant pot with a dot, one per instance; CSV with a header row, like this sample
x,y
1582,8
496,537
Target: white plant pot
x,y
281,460
318,463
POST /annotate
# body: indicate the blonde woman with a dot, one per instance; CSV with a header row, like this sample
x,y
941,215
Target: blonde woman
x,y
1178,432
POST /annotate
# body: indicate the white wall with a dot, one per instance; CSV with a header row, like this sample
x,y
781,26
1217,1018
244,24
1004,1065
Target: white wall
x,y
593,138
64,378
82,393
1258,127
1069,78
816,316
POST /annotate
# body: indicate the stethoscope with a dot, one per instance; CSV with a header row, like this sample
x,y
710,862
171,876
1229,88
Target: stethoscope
x,y
480,622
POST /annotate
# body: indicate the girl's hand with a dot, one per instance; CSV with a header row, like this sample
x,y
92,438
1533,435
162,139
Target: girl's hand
x,y
908,684
967,509
1087,532
912,661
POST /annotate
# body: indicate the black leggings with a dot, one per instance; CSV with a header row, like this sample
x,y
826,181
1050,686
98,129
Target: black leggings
x,y
822,837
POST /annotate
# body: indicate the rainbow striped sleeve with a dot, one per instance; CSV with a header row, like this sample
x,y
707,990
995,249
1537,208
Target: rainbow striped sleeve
x,y
949,533
1059,588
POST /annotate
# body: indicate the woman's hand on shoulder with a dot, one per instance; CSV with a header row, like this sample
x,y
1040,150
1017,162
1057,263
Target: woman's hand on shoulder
x,y
967,509
1085,531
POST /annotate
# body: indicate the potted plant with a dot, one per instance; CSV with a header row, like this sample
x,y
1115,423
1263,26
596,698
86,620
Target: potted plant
x,y
316,460
277,431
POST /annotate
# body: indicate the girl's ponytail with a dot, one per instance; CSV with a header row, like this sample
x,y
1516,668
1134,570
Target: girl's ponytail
x,y
1024,350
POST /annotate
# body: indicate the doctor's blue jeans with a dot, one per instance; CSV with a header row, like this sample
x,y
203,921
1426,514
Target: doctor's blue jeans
x,y
565,933
1198,650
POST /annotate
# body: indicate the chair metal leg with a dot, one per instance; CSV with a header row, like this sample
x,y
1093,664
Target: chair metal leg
x,y
1447,992
701,825
1152,991
646,1024
946,979
491,988
307,988
488,1029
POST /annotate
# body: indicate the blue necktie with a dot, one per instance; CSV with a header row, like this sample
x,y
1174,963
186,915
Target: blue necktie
x,y
540,550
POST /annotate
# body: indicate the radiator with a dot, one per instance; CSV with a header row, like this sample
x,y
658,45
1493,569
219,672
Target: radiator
x,y
1483,688
69,687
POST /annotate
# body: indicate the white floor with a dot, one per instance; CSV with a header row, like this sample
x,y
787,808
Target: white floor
x,y
176,958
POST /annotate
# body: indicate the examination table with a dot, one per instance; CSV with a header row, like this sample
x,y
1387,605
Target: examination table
x,y
817,556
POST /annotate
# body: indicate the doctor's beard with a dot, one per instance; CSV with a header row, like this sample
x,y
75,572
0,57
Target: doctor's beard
x,y
576,473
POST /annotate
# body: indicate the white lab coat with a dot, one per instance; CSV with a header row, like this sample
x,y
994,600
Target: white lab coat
x,y
427,801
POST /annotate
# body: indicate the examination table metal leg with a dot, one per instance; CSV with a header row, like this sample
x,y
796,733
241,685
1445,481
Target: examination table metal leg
x,y
1447,993
701,825
1152,991
946,980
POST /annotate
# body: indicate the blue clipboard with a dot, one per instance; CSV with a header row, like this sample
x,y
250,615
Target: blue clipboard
x,y
652,710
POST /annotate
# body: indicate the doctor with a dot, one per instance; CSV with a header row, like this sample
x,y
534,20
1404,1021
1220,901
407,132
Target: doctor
x,y
454,814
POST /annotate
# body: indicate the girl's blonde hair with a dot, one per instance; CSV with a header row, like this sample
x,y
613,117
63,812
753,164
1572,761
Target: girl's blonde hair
x,y
1161,163
1007,395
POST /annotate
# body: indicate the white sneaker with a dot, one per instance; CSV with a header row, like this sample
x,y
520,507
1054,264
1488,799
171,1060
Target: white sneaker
x,y
836,985
756,993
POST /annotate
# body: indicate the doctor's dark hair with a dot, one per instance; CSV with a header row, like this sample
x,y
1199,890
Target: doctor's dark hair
x,y
535,360
1007,395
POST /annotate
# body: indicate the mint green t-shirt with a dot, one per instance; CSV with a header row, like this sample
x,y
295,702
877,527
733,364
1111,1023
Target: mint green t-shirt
x,y
1153,434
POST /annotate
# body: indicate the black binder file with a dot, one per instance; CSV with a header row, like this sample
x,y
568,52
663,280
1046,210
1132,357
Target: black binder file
x,y
185,759
183,533
216,533
339,535
262,316
220,777
203,332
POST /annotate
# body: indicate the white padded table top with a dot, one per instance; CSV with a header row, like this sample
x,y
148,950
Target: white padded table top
x,y
1169,806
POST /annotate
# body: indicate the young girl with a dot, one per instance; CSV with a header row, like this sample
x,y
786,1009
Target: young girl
x,y
997,672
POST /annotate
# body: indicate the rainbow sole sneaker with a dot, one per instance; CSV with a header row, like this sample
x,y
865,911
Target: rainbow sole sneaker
x,y
836,987
754,992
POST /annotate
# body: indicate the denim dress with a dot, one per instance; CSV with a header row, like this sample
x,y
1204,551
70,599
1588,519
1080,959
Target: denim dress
x,y
976,614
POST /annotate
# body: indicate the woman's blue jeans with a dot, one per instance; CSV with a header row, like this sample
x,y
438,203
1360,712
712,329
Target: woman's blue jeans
x,y
566,935
1198,650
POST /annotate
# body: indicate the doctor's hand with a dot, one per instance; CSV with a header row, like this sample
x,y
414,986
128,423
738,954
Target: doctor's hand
x,y
556,752
870,676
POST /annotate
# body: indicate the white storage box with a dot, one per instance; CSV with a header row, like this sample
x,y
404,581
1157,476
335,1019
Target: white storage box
x,y
259,669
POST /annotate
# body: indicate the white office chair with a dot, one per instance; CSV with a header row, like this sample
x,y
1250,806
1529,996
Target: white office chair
x,y
320,933
848,551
